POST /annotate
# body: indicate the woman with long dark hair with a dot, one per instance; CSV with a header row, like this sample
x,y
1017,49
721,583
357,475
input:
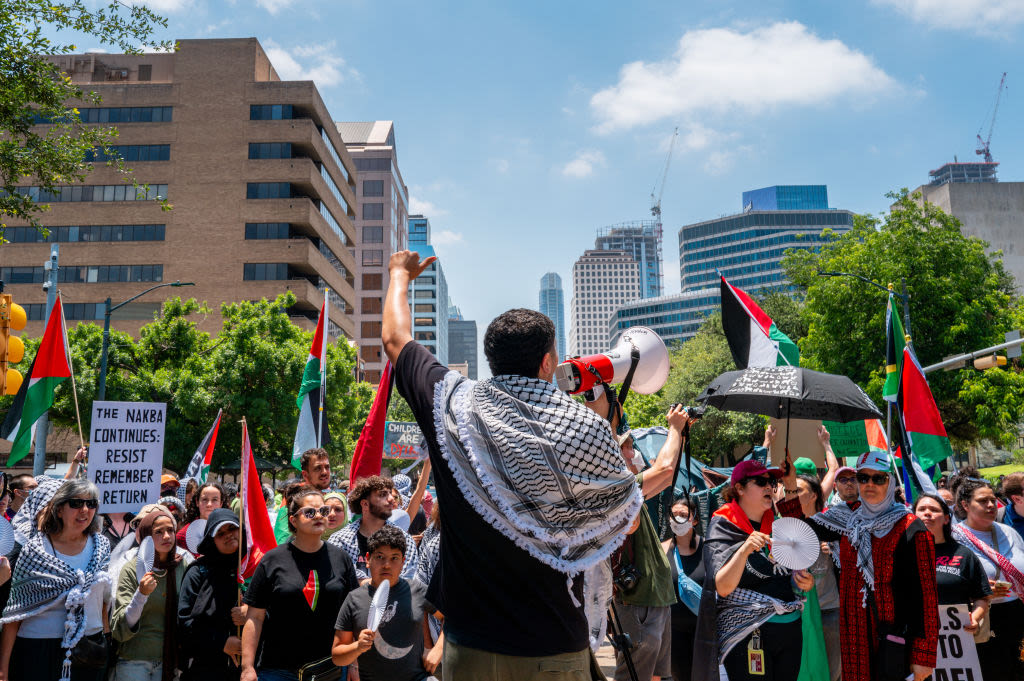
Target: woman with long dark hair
x,y
209,496
144,620
1001,551
55,619
686,557
208,611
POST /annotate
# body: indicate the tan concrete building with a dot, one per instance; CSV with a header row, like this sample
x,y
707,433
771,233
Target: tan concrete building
x,y
262,187
381,227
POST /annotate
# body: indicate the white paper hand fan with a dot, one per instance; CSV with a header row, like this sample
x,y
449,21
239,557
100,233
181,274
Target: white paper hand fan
x,y
794,544
6,537
378,605
144,560
194,534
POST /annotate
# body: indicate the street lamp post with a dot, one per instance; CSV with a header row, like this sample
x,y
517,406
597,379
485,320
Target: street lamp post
x,y
101,392
904,297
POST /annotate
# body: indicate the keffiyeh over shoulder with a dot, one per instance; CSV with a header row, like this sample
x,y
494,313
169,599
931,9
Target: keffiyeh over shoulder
x,y
538,466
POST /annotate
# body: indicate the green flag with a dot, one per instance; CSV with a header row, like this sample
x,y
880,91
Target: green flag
x,y
895,340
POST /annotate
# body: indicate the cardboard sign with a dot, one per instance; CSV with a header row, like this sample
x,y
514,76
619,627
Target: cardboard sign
x,y
803,441
126,453
404,440
957,658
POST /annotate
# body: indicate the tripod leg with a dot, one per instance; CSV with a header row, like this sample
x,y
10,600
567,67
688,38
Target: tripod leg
x,y
621,641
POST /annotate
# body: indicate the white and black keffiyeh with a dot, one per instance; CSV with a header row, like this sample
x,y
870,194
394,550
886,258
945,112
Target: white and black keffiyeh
x,y
538,466
346,539
24,521
41,578
430,553
743,611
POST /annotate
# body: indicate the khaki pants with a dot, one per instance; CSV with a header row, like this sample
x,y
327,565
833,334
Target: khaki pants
x,y
469,664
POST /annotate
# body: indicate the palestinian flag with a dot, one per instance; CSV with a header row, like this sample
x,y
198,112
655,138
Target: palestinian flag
x,y
49,369
895,341
754,340
922,423
369,452
311,431
255,521
199,466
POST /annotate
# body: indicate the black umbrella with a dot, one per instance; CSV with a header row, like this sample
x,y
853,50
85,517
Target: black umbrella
x,y
790,392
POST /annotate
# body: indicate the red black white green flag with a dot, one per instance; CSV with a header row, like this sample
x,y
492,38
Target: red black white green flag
x,y
258,533
311,430
369,454
754,340
199,466
49,369
922,423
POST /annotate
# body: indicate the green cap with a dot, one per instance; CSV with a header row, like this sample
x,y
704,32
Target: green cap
x,y
805,466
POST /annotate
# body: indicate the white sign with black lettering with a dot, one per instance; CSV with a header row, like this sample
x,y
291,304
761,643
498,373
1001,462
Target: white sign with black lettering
x,y
957,658
126,453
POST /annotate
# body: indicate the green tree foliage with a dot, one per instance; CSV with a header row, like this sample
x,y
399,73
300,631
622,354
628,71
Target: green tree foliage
x,y
252,368
33,86
960,300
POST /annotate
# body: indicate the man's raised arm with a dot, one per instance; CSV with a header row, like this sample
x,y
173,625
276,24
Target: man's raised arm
x,y
396,331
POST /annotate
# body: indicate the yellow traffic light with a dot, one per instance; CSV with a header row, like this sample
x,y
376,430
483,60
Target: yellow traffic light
x,y
989,362
12,349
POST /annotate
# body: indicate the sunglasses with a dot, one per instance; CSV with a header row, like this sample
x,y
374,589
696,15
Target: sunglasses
x,y
76,504
310,513
876,479
847,480
763,481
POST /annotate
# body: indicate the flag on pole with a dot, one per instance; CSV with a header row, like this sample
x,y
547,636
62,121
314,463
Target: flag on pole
x,y
754,340
199,466
255,521
370,448
311,431
922,423
49,369
895,341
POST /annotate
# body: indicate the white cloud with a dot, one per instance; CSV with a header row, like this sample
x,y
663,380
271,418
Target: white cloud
x,y
425,208
722,69
273,6
980,16
169,6
315,62
501,165
445,237
584,164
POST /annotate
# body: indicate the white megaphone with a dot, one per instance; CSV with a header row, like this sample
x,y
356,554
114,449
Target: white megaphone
x,y
652,365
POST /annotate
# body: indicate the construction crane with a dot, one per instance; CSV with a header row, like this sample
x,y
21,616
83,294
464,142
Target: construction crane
x,y
983,148
660,187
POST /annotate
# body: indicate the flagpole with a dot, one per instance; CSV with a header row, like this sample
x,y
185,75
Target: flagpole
x,y
71,366
241,519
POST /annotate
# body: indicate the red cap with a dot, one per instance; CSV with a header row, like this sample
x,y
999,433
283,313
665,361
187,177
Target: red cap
x,y
752,469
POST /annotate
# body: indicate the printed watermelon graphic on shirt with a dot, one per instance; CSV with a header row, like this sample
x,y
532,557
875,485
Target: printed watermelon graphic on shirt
x,y
312,589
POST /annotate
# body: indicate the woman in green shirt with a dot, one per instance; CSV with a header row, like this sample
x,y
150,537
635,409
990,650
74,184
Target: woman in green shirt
x,y
144,620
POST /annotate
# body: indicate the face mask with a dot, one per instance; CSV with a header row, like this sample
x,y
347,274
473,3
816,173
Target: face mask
x,y
680,527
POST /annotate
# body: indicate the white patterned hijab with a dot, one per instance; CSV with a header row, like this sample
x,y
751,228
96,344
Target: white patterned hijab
x,y
538,466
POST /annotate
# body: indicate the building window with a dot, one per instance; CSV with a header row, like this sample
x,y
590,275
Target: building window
x,y
423,293
373,187
93,192
372,305
373,235
373,164
271,112
373,211
370,353
425,307
270,150
264,271
268,190
84,274
426,336
373,282
130,152
370,330
119,114
268,230
77,233
373,257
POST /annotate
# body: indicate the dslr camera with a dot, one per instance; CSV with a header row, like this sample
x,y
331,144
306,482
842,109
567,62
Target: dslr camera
x,y
692,412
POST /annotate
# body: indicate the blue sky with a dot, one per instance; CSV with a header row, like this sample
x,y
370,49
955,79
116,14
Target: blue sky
x,y
523,127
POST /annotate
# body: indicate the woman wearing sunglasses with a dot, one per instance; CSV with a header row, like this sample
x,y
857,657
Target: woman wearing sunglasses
x,y
54,622
144,620
749,617
294,596
889,621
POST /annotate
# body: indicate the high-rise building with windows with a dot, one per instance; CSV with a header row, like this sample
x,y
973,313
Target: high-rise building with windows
x,y
602,281
787,197
641,239
462,346
428,294
261,184
552,304
380,222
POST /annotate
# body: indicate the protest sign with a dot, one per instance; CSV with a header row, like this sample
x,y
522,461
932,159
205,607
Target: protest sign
x,y
957,658
803,441
404,440
126,453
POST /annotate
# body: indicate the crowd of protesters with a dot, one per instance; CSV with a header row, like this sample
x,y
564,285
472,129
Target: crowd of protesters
x,y
541,508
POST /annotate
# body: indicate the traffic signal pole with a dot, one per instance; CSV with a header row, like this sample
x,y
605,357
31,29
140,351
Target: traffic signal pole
x,y
43,424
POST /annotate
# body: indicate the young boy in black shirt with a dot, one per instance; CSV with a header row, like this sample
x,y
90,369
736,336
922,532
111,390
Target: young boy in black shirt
x,y
399,649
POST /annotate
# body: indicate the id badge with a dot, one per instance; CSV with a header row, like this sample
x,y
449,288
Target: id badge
x,y
755,655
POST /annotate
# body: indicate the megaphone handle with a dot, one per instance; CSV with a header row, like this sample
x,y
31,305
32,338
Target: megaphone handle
x,y
634,360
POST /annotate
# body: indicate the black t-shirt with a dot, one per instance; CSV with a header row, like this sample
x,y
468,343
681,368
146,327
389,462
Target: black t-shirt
x,y
397,652
419,523
959,575
364,548
494,596
301,593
